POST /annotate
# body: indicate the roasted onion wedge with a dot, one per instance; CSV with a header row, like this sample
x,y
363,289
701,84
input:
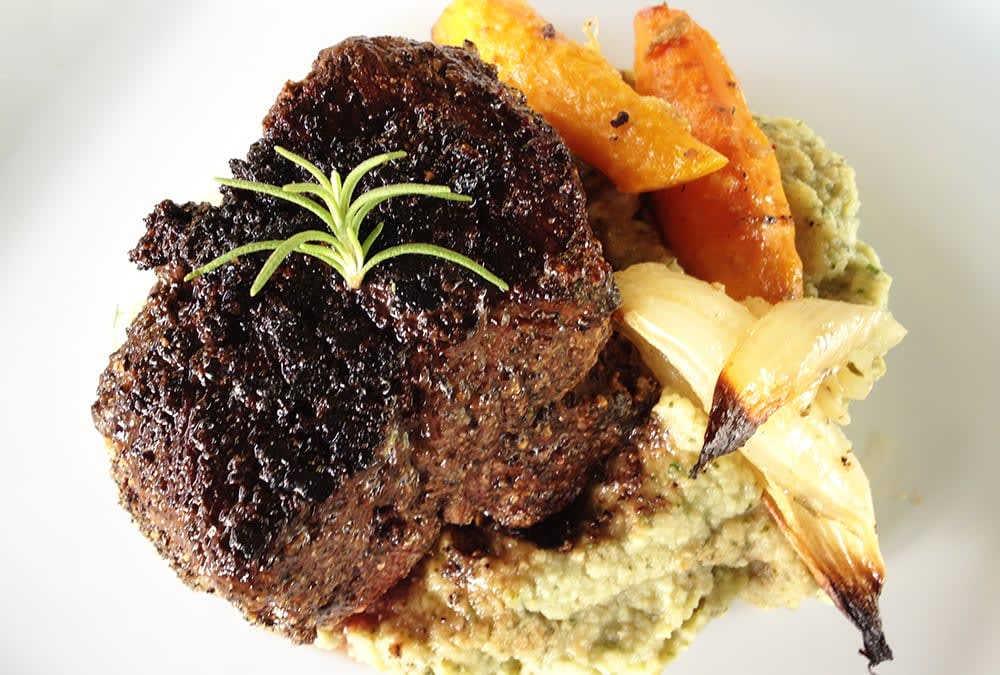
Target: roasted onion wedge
x,y
682,324
819,495
809,355
786,355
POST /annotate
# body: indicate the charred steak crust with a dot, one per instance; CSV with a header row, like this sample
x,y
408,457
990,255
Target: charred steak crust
x,y
299,452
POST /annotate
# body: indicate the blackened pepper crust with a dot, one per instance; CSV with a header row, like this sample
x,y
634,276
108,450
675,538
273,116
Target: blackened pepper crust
x,y
298,452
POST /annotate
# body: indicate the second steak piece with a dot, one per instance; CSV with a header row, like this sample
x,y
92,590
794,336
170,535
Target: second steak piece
x,y
298,452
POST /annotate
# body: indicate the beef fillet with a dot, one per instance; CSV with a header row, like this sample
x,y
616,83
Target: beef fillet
x,y
298,452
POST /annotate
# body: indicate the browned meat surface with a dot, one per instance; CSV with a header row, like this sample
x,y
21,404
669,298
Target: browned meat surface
x,y
298,452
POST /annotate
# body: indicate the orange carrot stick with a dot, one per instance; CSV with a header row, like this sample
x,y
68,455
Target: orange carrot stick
x,y
733,226
639,142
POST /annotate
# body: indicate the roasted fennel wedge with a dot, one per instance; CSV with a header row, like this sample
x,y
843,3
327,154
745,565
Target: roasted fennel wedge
x,y
799,362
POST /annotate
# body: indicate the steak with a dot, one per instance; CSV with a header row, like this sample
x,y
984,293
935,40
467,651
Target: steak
x,y
298,452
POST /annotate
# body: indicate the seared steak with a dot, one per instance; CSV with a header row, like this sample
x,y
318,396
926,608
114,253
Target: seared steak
x,y
298,452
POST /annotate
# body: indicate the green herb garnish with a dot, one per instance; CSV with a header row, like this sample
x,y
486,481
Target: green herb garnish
x,y
342,247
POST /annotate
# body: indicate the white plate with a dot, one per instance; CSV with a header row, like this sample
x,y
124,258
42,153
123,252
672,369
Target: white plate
x,y
109,106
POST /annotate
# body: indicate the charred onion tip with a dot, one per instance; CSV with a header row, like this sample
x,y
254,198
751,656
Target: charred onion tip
x,y
860,604
876,650
730,426
862,609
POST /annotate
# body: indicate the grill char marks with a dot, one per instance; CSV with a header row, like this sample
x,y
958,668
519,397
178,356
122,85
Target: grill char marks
x,y
298,452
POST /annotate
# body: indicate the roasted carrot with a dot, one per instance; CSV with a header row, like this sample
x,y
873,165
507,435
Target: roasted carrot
x,y
637,141
733,226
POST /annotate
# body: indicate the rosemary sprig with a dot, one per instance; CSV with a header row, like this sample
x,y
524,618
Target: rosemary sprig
x,y
341,247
